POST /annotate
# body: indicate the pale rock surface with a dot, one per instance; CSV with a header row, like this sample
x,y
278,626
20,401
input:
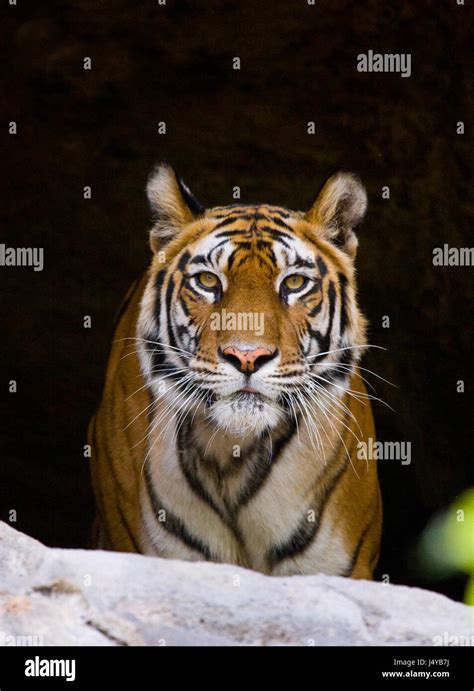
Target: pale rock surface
x,y
77,597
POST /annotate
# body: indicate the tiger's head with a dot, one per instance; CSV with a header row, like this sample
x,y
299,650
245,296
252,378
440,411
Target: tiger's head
x,y
250,312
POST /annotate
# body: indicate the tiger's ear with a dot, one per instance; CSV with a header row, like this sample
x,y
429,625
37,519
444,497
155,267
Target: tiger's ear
x,y
172,204
338,209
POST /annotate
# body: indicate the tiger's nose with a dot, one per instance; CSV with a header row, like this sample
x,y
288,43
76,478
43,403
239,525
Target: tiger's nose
x,y
247,361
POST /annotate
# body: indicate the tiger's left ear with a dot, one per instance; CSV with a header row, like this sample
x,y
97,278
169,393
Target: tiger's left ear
x,y
338,209
172,204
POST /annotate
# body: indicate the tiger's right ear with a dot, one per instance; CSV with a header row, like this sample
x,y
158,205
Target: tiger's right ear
x,y
172,204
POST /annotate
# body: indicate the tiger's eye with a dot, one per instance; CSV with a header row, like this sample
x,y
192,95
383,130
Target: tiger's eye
x,y
208,280
294,282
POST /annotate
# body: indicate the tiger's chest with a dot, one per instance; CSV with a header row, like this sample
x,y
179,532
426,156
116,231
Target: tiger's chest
x,y
261,512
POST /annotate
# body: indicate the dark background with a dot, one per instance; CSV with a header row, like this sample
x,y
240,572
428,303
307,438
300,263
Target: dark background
x,y
173,63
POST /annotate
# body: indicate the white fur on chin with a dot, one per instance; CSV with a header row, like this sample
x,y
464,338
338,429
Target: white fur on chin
x,y
244,417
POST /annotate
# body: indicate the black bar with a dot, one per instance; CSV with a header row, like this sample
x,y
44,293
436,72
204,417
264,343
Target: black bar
x,y
316,668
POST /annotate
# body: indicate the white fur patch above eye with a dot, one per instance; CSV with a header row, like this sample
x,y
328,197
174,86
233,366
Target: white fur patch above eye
x,y
286,256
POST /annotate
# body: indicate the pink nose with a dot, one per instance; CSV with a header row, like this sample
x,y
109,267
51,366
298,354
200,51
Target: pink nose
x,y
247,361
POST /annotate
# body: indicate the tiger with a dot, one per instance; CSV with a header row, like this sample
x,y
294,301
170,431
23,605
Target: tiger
x,y
233,409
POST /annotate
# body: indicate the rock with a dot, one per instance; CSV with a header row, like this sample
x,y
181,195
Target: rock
x,y
76,597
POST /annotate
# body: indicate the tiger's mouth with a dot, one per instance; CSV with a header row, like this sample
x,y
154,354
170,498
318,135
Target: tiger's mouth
x,y
249,389
245,412
244,398
248,393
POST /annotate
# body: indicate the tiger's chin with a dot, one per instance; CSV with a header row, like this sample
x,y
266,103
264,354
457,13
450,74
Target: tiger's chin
x,y
245,414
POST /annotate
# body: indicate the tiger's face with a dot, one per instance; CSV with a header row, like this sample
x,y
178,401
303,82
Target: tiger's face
x,y
250,312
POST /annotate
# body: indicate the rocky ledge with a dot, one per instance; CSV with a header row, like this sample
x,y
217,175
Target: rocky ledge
x,y
75,597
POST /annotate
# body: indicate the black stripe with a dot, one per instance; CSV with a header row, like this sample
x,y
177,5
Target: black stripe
x,y
273,219
184,306
158,357
229,233
325,341
355,555
198,259
219,244
182,331
315,288
299,540
263,245
188,464
226,222
346,357
306,531
127,528
275,233
302,263
283,242
98,489
231,260
171,337
157,353
172,524
264,466
189,459
244,245
232,209
343,291
193,204
280,222
316,310
271,256
247,215
281,213
323,269
183,260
